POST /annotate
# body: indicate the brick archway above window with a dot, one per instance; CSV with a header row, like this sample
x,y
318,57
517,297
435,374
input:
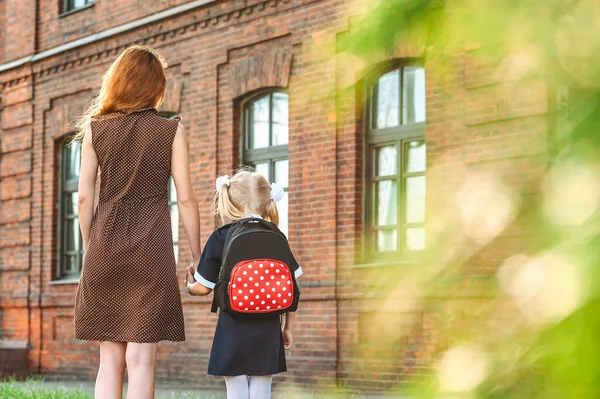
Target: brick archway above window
x,y
175,84
259,72
62,111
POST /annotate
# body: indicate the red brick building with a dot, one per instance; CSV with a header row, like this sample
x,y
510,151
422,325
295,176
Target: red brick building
x,y
259,82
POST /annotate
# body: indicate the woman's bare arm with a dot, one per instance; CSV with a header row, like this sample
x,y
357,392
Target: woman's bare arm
x,y
186,198
87,186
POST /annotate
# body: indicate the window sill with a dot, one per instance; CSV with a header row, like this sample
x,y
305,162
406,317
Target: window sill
x,y
76,10
65,281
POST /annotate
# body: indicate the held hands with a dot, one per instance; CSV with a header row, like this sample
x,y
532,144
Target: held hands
x,y
194,287
189,279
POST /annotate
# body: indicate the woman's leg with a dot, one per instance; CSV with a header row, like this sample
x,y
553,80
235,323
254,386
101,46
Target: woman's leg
x,y
141,361
237,387
260,386
109,382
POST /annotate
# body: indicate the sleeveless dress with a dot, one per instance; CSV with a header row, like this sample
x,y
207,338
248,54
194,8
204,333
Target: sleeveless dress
x,y
128,291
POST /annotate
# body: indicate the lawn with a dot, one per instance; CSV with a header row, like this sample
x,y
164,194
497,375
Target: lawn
x,y
37,389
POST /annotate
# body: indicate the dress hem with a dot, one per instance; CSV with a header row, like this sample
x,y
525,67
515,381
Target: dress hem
x,y
250,375
137,341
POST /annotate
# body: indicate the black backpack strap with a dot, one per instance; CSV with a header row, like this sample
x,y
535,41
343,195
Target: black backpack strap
x,y
263,222
215,306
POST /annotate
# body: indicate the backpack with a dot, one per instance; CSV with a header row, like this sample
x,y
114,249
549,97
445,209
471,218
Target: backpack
x,y
256,276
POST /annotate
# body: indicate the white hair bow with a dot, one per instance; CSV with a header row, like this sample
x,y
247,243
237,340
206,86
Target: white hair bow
x,y
222,181
276,192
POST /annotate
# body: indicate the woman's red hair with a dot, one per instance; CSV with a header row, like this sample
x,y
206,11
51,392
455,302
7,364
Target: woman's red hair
x,y
136,79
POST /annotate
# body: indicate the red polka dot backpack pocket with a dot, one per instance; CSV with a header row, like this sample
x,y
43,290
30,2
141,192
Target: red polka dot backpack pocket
x,y
256,276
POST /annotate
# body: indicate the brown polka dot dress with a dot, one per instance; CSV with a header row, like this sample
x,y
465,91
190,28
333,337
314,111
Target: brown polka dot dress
x,y
128,290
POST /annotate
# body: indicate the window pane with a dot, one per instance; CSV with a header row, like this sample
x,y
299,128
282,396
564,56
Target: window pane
x,y
72,234
172,191
387,241
386,202
70,265
415,199
387,161
281,173
388,100
72,160
415,239
415,156
259,131
174,211
413,95
263,169
280,118
71,200
282,208
77,235
175,222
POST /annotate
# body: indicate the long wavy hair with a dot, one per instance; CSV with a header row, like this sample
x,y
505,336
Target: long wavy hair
x,y
136,79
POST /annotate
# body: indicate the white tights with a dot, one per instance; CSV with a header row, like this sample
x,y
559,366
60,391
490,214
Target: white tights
x,y
259,387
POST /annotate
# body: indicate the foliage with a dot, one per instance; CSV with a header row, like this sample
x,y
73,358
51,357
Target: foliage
x,y
532,328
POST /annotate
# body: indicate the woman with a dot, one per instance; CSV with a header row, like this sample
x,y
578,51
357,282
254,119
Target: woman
x,y
128,296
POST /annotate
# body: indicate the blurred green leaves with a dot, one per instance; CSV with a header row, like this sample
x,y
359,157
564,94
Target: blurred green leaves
x,y
532,329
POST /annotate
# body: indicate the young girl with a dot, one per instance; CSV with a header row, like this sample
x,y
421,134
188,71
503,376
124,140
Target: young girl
x,y
246,351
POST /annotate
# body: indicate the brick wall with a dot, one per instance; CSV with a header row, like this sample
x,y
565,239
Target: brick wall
x,y
55,30
2,31
19,29
218,55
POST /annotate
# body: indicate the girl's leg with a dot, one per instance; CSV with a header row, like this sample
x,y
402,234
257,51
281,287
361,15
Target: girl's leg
x,y
109,382
260,386
141,361
237,387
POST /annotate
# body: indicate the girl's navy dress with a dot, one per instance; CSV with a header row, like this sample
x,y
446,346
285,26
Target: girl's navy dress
x,y
242,345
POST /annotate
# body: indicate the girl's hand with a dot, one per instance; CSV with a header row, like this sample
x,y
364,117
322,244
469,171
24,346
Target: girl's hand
x,y
189,279
288,339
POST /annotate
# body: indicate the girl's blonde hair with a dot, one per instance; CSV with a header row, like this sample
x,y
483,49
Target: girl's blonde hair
x,y
247,192
136,79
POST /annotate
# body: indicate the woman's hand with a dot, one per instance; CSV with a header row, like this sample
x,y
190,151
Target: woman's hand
x,y
288,339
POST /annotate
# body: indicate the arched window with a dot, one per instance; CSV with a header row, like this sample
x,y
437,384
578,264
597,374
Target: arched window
x,y
70,242
395,162
265,142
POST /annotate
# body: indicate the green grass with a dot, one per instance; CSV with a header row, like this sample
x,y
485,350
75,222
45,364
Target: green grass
x,y
36,389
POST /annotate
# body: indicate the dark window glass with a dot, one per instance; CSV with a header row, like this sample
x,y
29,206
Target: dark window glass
x,y
174,217
396,163
70,5
70,240
173,208
266,135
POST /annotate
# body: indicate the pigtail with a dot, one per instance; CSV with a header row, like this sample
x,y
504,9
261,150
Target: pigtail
x,y
225,208
271,212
